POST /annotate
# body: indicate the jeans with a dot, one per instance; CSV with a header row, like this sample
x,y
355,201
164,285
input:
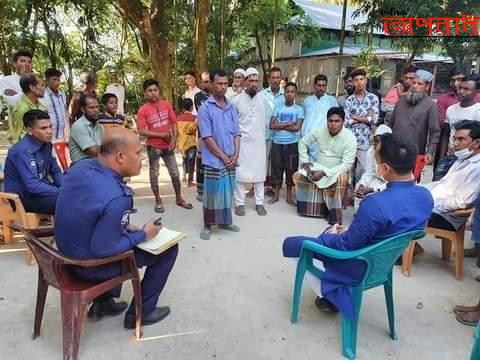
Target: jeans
x,y
168,157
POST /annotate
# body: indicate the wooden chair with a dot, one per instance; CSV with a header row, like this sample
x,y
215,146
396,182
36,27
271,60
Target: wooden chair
x,y
10,214
448,238
75,294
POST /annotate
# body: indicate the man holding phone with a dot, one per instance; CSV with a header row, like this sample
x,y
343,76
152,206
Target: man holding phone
x,y
93,221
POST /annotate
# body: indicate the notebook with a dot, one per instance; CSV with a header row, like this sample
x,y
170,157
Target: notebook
x,y
164,240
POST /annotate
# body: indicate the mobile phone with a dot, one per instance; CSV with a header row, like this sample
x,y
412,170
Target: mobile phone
x,y
158,222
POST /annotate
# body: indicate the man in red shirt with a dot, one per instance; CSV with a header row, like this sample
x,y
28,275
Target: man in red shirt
x,y
157,122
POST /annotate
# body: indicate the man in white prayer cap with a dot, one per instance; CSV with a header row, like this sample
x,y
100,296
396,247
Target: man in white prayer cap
x,y
415,116
252,111
237,84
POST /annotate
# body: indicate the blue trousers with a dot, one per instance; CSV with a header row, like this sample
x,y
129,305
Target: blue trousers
x,y
39,204
153,282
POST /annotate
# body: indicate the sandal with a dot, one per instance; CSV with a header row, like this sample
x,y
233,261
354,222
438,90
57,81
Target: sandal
x,y
159,209
465,318
185,205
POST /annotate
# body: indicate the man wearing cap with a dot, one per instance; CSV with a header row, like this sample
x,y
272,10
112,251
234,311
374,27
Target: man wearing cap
x,y
415,116
370,181
252,109
237,84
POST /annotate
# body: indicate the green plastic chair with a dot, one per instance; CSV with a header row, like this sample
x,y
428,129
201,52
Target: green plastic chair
x,y
379,258
476,345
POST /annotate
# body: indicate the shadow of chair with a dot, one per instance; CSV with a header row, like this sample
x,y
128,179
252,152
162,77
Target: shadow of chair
x,y
75,294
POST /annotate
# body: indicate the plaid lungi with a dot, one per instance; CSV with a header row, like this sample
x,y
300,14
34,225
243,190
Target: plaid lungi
x,y
218,188
322,203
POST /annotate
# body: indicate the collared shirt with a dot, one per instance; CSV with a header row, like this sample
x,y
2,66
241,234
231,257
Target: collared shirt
x,y
56,104
30,168
335,154
402,207
92,213
315,110
16,130
191,95
458,189
369,178
274,100
361,107
220,124
418,122
445,101
84,134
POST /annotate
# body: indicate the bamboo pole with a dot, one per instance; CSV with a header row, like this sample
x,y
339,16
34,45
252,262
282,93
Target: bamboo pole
x,y
274,35
340,47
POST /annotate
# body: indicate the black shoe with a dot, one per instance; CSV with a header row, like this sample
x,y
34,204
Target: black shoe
x,y
154,317
106,308
325,305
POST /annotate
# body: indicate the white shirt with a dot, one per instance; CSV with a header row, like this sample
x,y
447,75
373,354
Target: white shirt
x,y
11,82
119,91
456,113
56,104
231,92
191,95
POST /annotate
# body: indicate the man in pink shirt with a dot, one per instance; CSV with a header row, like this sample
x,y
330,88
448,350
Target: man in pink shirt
x,y
157,122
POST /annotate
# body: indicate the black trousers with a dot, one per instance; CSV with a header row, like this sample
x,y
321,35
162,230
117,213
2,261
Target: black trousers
x,y
284,159
439,222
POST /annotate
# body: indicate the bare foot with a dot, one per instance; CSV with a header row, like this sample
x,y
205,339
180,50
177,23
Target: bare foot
x,y
291,202
273,200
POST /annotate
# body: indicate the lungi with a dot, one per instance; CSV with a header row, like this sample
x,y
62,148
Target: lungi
x,y
322,203
218,188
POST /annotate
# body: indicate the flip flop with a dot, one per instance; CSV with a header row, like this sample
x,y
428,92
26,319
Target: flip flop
x,y
185,205
159,209
465,321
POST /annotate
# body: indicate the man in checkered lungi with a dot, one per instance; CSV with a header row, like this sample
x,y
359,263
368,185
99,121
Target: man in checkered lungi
x,y
322,185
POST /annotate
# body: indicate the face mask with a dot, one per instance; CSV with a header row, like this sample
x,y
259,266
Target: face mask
x,y
463,154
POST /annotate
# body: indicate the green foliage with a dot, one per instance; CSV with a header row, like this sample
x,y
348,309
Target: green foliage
x,y
369,62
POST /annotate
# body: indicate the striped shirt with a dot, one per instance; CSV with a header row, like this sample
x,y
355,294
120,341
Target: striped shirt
x,y
56,104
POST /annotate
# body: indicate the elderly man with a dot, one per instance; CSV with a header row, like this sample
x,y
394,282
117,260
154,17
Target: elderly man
x,y
402,207
30,169
94,204
33,88
252,109
315,109
237,84
220,133
415,116
361,114
321,185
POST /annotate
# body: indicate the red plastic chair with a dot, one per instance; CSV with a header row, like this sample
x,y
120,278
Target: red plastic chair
x,y
55,270
61,151
419,165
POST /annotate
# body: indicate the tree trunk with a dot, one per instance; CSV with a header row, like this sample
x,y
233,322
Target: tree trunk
x,y
200,40
260,54
151,22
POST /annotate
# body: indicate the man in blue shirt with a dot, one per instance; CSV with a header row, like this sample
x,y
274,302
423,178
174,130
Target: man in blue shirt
x,y
315,108
93,222
30,169
285,124
402,207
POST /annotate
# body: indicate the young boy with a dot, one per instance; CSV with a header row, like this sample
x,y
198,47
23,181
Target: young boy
x,y
286,122
187,139
109,118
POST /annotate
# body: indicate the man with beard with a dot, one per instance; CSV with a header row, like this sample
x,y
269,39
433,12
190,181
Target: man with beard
x,y
348,86
252,109
87,133
415,116
237,84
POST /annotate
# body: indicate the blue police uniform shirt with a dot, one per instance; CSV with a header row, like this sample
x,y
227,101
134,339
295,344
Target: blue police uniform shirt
x,y
30,168
92,213
402,207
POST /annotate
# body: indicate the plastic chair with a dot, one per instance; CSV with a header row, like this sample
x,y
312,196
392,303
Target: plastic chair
x,y
449,238
379,259
420,163
476,345
75,294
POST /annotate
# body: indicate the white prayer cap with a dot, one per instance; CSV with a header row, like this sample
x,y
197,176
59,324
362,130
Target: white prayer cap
x,y
382,129
425,75
239,71
251,71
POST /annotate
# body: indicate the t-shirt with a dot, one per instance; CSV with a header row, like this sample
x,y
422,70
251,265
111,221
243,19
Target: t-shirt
x,y
119,91
456,113
187,131
109,122
158,117
84,134
286,114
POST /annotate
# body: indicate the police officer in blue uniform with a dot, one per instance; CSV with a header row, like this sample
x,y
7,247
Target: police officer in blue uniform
x,y
30,169
92,221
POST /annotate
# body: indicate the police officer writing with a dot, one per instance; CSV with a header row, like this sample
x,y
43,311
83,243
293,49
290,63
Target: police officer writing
x,y
92,221
30,169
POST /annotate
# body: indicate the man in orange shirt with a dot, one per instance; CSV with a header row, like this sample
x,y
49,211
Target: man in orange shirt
x,y
157,122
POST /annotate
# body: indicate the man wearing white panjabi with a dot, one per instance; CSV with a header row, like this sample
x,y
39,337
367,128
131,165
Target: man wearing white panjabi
x,y
252,109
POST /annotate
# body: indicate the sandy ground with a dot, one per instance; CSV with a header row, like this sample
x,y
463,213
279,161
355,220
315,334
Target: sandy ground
x,y
230,299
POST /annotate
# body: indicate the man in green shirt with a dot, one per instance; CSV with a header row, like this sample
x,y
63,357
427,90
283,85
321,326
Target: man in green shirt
x,y
87,134
322,185
33,88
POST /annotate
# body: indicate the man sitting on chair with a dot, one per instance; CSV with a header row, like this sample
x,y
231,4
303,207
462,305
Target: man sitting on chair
x,y
30,169
401,207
